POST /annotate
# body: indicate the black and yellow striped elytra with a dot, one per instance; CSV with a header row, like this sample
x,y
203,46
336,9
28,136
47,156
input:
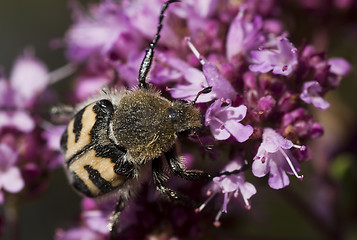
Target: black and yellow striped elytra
x,y
93,160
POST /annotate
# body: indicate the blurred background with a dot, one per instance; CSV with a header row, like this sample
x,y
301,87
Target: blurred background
x,y
323,206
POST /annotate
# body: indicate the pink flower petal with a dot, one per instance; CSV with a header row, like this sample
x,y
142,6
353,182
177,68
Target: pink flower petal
x,y
218,132
238,130
220,85
278,178
260,168
195,76
90,86
281,60
247,190
205,7
228,185
29,76
23,121
12,180
237,113
272,141
243,35
339,66
311,94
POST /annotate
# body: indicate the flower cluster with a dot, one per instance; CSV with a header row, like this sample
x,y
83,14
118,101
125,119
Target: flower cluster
x,y
95,220
262,84
28,143
257,114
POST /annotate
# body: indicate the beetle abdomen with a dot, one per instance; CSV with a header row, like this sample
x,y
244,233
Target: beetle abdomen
x,y
92,170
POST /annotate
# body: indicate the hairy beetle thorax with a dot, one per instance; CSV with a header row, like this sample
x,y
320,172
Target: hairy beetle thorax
x,y
141,124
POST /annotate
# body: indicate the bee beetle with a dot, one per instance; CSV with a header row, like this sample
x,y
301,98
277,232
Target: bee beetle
x,y
111,143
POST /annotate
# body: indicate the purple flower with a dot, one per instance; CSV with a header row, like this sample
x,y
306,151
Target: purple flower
x,y
96,216
79,233
281,60
243,35
29,76
301,123
205,8
94,220
17,119
197,82
102,31
143,18
311,94
53,136
210,76
89,86
230,186
10,175
272,157
224,121
343,4
233,45
339,66
167,68
265,106
200,18
221,87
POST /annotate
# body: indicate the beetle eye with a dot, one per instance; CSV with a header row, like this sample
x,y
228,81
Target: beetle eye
x,y
172,114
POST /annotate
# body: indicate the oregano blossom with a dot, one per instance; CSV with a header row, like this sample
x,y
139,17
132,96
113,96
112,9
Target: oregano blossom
x,y
10,175
311,94
224,121
230,186
281,60
273,157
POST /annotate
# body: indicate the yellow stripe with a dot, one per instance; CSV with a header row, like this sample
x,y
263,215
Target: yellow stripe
x,y
77,167
104,166
88,121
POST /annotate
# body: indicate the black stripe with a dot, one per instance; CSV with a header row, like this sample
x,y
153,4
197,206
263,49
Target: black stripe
x,y
64,140
103,185
80,186
78,154
77,124
111,150
104,110
117,156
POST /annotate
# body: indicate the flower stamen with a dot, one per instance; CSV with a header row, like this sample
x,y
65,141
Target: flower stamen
x,y
291,165
203,205
301,148
195,51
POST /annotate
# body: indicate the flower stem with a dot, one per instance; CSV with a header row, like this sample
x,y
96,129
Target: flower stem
x,y
62,73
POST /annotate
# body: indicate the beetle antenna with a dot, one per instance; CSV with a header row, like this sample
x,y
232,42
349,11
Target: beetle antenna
x,y
149,55
227,173
206,147
203,91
